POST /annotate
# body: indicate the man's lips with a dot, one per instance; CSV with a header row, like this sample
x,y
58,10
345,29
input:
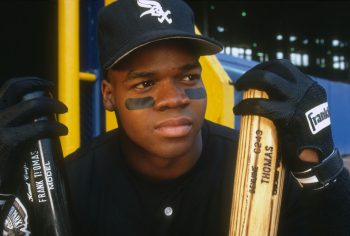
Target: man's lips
x,y
174,127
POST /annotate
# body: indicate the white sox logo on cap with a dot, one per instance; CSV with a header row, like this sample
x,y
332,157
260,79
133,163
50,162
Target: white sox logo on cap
x,y
155,9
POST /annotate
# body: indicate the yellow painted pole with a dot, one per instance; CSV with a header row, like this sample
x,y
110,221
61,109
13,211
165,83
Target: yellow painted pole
x,y
109,2
68,71
111,121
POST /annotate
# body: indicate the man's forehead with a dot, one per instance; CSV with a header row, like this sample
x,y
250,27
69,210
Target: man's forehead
x,y
167,48
149,73
128,72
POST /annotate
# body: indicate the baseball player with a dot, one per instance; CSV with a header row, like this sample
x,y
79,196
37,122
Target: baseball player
x,y
166,170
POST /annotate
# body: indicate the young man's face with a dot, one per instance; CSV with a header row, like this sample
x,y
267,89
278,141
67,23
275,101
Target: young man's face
x,y
159,97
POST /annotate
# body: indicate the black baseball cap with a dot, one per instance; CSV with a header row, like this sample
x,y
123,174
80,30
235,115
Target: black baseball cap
x,y
127,25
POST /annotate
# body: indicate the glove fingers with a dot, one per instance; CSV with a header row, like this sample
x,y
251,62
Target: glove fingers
x,y
273,84
13,90
287,70
272,110
37,130
283,68
47,129
27,111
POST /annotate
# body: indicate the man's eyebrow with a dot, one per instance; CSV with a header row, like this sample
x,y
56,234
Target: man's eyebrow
x,y
190,66
140,74
147,74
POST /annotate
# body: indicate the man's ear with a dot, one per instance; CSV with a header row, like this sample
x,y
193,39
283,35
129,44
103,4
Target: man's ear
x,y
107,93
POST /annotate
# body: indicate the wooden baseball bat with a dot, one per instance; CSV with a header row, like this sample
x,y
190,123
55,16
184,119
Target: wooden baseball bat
x,y
258,179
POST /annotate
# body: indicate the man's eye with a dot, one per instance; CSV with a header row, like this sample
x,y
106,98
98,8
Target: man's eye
x,y
144,84
190,77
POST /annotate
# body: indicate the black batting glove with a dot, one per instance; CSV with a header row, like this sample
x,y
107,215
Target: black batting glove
x,y
299,109
17,116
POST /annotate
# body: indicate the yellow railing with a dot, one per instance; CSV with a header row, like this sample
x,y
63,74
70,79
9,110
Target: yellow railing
x,y
87,76
68,71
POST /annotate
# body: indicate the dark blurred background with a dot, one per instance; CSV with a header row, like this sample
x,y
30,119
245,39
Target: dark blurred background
x,y
313,35
28,41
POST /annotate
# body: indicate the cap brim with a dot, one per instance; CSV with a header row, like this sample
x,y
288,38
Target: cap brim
x,y
204,45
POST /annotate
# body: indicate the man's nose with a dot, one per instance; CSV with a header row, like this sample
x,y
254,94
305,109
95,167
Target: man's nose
x,y
170,96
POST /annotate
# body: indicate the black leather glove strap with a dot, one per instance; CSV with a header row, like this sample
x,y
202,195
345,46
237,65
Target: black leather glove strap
x,y
321,175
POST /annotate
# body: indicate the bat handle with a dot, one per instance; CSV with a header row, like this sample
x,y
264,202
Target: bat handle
x,y
45,181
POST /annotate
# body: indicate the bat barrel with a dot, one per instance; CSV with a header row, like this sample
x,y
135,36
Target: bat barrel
x,y
259,177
